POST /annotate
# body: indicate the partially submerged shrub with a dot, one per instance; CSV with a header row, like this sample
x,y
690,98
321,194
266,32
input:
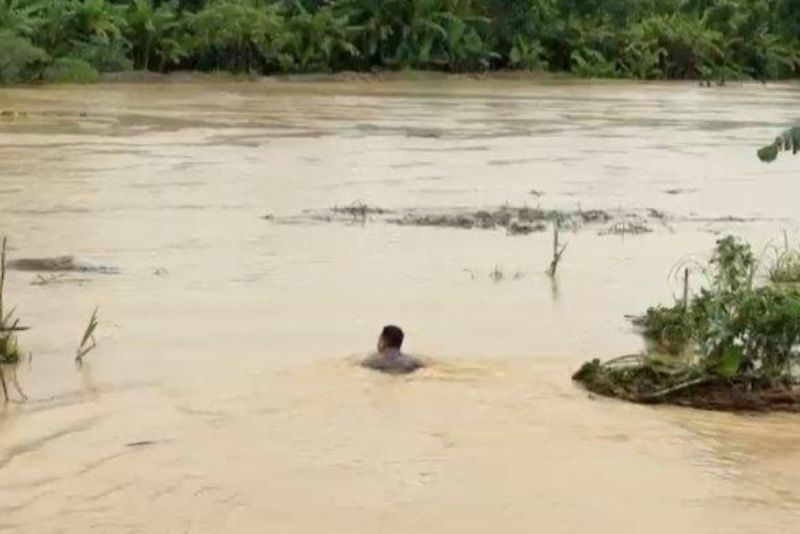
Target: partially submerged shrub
x,y
787,141
670,328
20,60
70,70
732,334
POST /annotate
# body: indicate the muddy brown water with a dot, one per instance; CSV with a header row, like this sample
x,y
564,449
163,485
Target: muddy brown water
x,y
222,396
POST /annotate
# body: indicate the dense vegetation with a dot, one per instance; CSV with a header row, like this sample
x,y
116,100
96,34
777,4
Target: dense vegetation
x,y
734,344
716,40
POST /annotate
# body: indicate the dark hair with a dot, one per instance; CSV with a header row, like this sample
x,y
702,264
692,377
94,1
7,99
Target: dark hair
x,y
393,336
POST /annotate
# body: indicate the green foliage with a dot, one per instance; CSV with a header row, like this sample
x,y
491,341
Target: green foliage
x,y
786,269
19,16
733,327
90,30
70,70
156,34
104,54
590,63
731,346
237,36
317,41
88,342
787,141
20,60
9,350
525,54
711,40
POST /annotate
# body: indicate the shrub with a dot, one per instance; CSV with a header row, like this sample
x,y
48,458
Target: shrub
x,y
104,54
70,70
20,61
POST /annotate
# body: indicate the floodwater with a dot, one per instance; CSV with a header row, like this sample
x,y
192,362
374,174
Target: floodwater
x,y
223,395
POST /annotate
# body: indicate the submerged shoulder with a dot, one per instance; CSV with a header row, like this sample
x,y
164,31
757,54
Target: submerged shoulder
x,y
402,363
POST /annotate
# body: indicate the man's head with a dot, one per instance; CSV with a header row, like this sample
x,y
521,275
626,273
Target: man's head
x,y
391,338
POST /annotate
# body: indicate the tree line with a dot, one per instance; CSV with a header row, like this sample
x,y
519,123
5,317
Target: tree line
x,y
712,40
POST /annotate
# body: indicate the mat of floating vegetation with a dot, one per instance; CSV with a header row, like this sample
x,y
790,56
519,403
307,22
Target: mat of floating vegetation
x,y
633,379
520,220
60,264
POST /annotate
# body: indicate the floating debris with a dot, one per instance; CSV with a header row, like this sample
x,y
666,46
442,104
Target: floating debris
x,y
58,264
522,228
57,279
679,191
515,220
358,210
594,216
143,443
627,228
656,214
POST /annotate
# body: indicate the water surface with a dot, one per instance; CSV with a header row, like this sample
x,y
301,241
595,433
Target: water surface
x,y
222,397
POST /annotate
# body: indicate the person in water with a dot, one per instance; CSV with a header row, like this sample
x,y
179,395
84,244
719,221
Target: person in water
x,y
389,358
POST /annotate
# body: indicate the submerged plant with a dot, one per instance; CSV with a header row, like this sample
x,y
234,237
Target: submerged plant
x,y
88,342
9,326
786,269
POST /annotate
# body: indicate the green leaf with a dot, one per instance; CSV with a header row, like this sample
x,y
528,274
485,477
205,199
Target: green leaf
x,y
730,362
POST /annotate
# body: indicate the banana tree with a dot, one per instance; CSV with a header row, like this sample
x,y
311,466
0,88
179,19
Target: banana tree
x,y
318,40
371,26
153,32
20,16
464,44
236,37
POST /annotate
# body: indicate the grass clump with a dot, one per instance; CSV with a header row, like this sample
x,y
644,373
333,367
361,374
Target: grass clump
x,y
70,70
88,342
9,325
786,269
733,345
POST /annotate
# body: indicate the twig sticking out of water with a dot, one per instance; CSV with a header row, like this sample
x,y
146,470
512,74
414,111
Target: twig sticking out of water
x,y
2,282
686,289
497,275
558,249
2,275
88,342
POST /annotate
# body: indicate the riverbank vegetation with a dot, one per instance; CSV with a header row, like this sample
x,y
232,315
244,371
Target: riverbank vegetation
x,y
711,40
733,345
